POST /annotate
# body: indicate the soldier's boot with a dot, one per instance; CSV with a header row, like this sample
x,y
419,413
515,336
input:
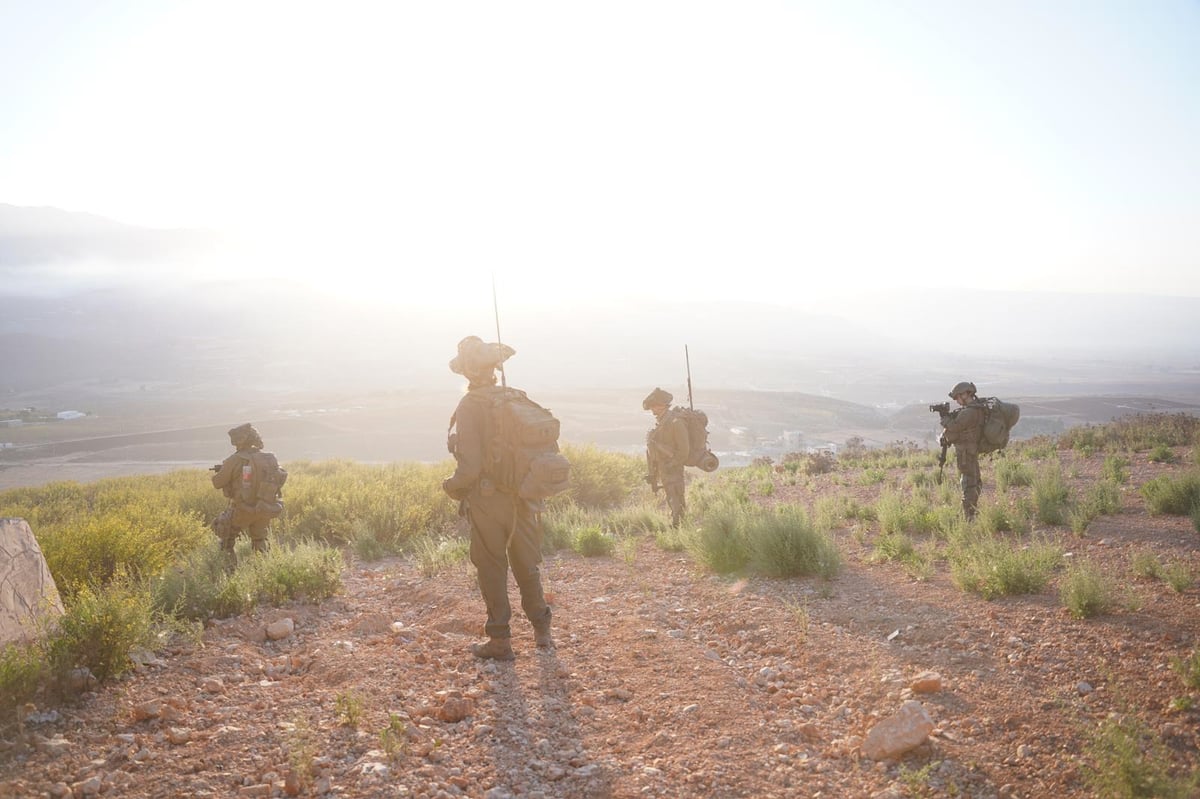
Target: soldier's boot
x,y
259,545
494,649
542,637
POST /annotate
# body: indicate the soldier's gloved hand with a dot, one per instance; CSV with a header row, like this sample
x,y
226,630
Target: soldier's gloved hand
x,y
942,442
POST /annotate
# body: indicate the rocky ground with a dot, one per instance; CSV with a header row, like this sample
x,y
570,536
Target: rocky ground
x,y
666,681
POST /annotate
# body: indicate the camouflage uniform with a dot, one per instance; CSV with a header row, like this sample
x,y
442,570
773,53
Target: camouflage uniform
x,y
963,429
667,450
506,531
239,517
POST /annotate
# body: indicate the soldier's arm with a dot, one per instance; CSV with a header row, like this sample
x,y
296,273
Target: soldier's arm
x,y
224,476
468,454
959,424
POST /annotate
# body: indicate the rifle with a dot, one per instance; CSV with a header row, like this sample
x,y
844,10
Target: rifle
x,y
216,468
942,409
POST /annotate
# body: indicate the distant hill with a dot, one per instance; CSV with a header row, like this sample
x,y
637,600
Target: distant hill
x,y
34,236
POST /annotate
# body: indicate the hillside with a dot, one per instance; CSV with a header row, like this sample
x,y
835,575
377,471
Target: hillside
x,y
666,681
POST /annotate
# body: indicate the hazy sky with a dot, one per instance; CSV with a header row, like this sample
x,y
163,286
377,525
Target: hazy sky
x,y
840,145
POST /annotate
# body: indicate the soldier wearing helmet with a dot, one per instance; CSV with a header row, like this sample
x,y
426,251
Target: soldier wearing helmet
x,y
239,517
963,429
667,450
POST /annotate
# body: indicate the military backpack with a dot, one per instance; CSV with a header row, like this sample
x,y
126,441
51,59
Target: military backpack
x,y
999,419
521,446
699,455
261,486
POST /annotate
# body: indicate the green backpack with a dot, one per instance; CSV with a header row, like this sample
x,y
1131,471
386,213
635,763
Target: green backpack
x,y
521,446
999,419
261,483
699,455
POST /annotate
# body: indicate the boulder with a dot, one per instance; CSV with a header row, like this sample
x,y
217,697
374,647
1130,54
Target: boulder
x,y
27,591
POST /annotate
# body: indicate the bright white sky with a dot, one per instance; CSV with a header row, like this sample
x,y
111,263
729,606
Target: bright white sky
x,y
779,151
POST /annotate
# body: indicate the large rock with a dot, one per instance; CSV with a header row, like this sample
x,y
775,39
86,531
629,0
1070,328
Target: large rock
x,y
27,591
906,729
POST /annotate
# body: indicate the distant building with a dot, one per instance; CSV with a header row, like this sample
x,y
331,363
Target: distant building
x,y
65,415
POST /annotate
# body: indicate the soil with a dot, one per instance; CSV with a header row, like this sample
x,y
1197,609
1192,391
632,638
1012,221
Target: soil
x,y
665,681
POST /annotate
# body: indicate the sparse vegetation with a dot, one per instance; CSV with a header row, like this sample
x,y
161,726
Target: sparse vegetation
x,y
1135,433
1128,762
1050,495
435,555
1188,669
990,566
1085,591
1102,499
1175,496
1116,469
1011,473
592,542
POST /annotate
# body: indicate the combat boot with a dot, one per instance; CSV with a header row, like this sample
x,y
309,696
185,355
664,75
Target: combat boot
x,y
494,649
542,637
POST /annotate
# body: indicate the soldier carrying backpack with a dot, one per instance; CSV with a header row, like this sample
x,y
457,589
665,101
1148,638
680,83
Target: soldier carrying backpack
x,y
253,481
978,426
505,447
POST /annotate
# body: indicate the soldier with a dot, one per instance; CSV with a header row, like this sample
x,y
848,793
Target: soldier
x,y
667,449
506,530
963,428
253,493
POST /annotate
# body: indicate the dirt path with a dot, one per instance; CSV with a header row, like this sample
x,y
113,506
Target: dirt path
x,y
666,681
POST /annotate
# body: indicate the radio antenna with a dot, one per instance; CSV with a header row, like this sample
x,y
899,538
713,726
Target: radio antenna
x,y
688,361
499,341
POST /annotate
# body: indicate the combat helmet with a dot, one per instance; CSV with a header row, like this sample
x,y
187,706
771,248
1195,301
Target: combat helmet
x,y
243,434
964,387
657,397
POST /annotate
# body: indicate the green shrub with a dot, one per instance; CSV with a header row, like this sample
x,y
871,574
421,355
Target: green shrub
x,y
22,672
720,543
1136,432
998,517
602,479
1116,469
1011,473
1178,575
1161,453
1050,494
305,571
190,588
1144,563
898,513
635,520
1127,762
139,539
784,543
100,626
592,542
1175,496
990,566
1188,669
670,539
1085,591
1102,499
435,555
